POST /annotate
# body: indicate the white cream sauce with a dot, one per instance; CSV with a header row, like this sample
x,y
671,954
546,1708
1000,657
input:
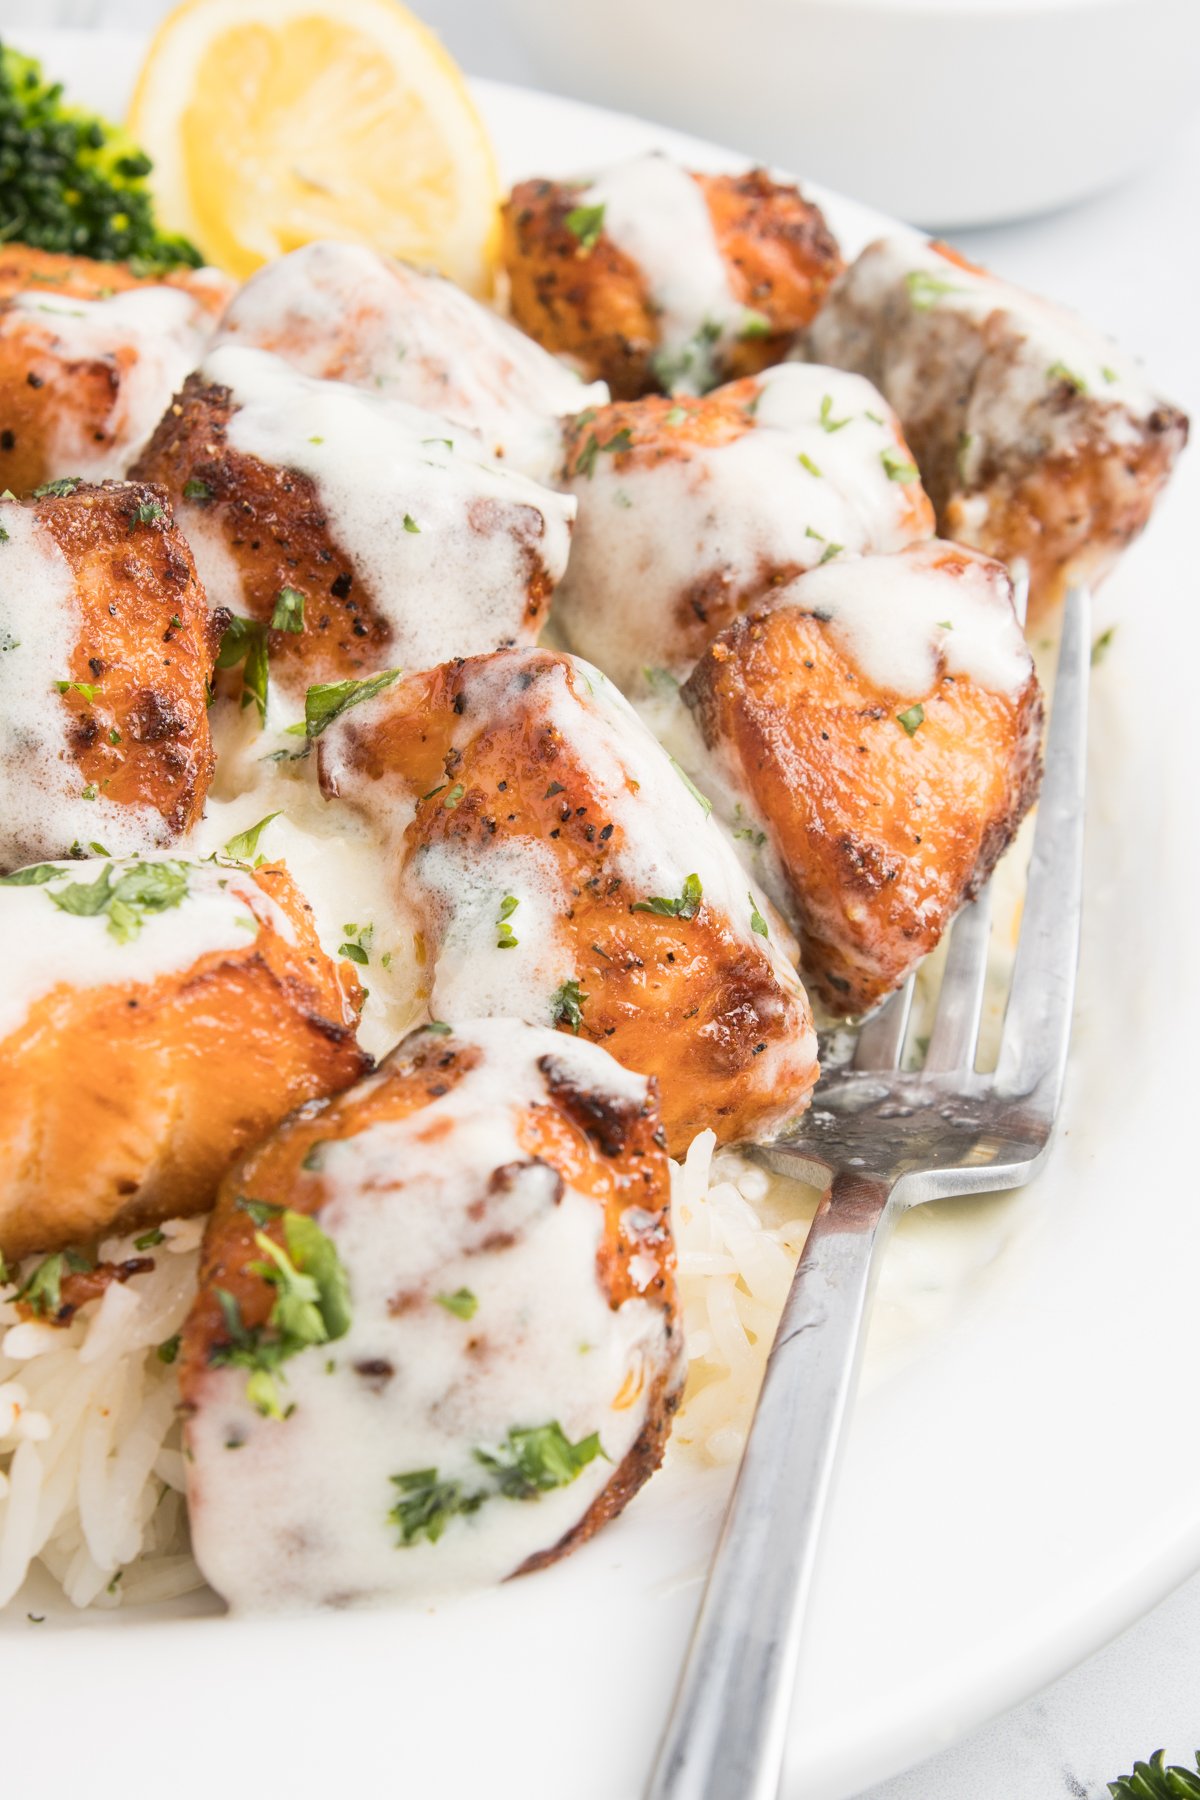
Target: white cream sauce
x,y
900,619
1004,354
656,214
807,481
343,311
153,336
664,835
297,1514
223,909
427,517
45,803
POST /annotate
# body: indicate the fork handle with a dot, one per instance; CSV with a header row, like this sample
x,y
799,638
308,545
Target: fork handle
x,y
725,1736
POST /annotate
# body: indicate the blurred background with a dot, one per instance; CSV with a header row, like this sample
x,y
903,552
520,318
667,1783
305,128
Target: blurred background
x,y
950,113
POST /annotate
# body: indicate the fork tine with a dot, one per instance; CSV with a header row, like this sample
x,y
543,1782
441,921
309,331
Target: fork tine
x,y
881,1039
1037,1024
960,1002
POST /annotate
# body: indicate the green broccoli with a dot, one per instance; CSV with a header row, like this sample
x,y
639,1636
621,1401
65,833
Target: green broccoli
x,y
72,182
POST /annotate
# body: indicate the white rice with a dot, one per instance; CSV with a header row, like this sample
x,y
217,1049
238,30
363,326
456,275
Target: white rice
x,y
91,1468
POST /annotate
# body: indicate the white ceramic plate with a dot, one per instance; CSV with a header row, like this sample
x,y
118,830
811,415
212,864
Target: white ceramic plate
x,y
1016,1488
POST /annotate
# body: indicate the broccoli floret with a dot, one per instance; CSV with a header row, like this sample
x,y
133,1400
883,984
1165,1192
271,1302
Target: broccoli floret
x,y
72,182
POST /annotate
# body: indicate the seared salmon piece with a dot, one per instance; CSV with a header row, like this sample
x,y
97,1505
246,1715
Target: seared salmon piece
x,y
107,648
159,1017
90,354
360,533
692,510
655,279
489,1370
1036,436
343,312
559,869
876,730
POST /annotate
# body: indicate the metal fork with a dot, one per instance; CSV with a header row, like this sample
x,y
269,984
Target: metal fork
x,y
879,1140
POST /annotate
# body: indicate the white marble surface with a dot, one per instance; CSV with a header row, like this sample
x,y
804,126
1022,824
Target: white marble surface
x,y
1131,260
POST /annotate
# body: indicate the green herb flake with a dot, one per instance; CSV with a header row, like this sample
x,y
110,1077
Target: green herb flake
x,y
410,524
911,718
585,224
1058,371
895,467
242,848
147,513
195,489
454,796
462,1303
754,325
757,922
288,611
702,800
42,1291
556,787
329,700
1103,645
538,1459
245,644
426,1505
168,1350
504,931
36,875
141,889
685,907
806,462
149,1240
827,420
925,288
311,1306
58,490
566,1005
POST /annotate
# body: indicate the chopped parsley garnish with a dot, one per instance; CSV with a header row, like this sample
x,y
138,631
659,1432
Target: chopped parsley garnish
x,y
42,1291
453,797
140,889
36,875
245,643
827,420
676,416
685,907
754,325
149,1239
585,223
504,931
462,1303
911,717
1155,1781
288,612
895,467
329,700
195,489
925,288
532,1461
757,922
60,489
585,462
1059,371
358,944
806,462
311,1306
410,524
701,800
1103,645
168,1350
146,514
242,847
566,1005
1110,375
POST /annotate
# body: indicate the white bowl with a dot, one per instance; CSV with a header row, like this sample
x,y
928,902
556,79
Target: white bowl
x,y
947,112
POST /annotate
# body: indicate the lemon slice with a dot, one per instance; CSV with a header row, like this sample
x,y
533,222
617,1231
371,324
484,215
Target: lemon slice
x,y
274,122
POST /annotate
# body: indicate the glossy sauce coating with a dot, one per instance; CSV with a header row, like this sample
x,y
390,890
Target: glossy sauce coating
x,y
498,1200
691,510
1037,437
134,1068
887,765
595,303
525,776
